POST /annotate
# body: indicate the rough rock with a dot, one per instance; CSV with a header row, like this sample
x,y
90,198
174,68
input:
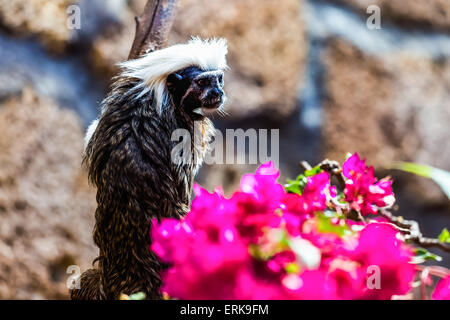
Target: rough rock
x,y
44,18
46,205
267,48
433,14
52,21
390,108
114,44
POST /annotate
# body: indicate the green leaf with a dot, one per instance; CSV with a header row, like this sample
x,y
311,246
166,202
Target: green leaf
x,y
137,296
312,172
284,240
326,226
280,241
418,169
292,268
422,255
298,185
441,177
444,236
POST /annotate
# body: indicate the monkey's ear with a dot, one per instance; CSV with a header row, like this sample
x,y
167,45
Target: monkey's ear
x,y
172,81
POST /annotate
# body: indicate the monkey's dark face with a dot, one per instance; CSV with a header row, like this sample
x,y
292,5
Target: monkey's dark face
x,y
199,93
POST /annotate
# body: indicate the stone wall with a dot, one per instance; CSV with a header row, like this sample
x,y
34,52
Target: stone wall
x,y
383,93
388,108
46,206
44,18
431,14
267,48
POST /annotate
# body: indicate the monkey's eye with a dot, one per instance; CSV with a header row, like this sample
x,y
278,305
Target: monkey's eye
x,y
203,82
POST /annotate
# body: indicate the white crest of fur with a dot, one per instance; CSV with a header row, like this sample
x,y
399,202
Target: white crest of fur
x,y
90,131
154,67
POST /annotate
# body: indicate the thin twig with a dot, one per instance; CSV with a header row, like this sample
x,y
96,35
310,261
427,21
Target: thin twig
x,y
334,169
425,271
409,227
305,165
330,166
423,283
436,271
414,234
153,26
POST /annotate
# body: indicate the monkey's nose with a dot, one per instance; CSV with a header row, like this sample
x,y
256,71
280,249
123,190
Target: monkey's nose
x,y
215,93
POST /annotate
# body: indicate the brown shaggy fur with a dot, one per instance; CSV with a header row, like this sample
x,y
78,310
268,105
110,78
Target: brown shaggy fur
x,y
129,161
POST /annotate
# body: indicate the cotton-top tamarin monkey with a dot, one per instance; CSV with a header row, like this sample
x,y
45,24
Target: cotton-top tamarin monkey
x,y
129,159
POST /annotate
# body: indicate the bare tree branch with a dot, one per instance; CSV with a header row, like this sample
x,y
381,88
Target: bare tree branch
x,y
414,233
334,169
153,26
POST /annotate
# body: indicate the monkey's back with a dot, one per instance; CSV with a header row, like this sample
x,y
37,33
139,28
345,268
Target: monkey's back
x,y
129,160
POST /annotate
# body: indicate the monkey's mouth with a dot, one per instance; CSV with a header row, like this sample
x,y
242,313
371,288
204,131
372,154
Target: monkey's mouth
x,y
212,103
209,107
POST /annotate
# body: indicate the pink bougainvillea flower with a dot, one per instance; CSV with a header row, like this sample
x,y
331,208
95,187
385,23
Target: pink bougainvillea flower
x,y
349,276
168,235
442,291
258,202
381,254
316,193
281,260
264,243
263,185
310,285
253,286
362,190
